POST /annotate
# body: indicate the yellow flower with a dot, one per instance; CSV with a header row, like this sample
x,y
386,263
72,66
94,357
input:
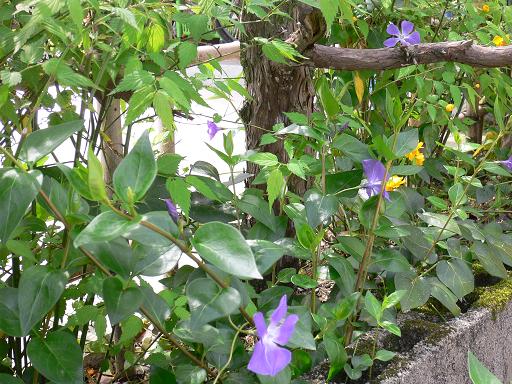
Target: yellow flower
x,y
415,152
449,107
486,8
499,41
477,85
394,182
354,19
419,159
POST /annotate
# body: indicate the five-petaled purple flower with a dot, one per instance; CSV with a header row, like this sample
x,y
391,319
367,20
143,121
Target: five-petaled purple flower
x,y
212,129
507,163
268,357
405,37
374,171
171,208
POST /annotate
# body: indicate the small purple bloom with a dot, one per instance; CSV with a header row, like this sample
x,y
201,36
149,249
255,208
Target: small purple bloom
x,y
507,163
212,129
405,37
374,171
268,357
171,208
343,128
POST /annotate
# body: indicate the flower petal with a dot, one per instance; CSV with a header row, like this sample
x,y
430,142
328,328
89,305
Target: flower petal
x,y
259,322
392,29
269,359
171,209
407,27
413,38
280,312
391,42
212,129
286,330
374,171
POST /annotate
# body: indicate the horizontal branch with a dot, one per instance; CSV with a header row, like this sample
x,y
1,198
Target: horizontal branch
x,y
464,52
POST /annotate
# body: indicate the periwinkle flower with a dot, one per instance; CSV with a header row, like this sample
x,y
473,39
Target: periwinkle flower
x,y
268,357
507,163
406,36
171,208
212,129
374,171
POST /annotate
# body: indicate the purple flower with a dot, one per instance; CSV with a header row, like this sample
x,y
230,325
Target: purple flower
x,y
268,357
405,37
212,129
374,171
171,208
507,163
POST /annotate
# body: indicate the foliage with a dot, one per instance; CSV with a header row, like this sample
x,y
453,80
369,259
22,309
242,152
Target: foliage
x,y
76,251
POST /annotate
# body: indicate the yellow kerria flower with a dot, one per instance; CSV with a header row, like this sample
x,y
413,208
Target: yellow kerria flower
x,y
477,85
419,159
394,182
415,152
499,41
449,107
486,8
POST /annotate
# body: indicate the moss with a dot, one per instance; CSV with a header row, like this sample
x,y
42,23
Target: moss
x,y
392,370
428,331
495,298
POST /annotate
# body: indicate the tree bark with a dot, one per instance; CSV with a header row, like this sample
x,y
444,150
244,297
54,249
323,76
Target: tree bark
x,y
113,143
277,88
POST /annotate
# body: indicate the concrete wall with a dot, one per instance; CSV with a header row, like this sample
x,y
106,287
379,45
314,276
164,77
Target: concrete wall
x,y
487,335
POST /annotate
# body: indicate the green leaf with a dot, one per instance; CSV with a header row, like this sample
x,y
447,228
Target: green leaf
x,y
104,227
329,103
384,355
114,254
163,108
134,80
304,281
457,276
257,208
139,102
17,190
154,305
337,182
406,142
210,188
173,89
9,312
444,295
275,186
393,299
456,194
489,260
95,178
40,143
478,373
156,38
319,208
418,290
223,246
263,159
126,15
207,301
39,289
190,374
120,303
180,194
187,53
336,353
66,76
440,221
8,379
136,172
168,164
352,147
76,12
373,306
58,357
266,253
329,10
11,79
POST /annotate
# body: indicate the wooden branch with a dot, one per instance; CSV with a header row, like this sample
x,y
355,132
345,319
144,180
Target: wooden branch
x,y
464,52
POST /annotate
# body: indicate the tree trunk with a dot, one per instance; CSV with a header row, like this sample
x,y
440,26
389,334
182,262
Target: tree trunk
x,y
113,146
276,88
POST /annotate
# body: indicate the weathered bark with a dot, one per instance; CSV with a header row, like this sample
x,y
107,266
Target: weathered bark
x,y
277,88
464,52
113,143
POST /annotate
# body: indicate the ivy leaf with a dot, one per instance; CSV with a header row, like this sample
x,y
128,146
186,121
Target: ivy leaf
x,y
275,186
58,357
223,246
133,177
